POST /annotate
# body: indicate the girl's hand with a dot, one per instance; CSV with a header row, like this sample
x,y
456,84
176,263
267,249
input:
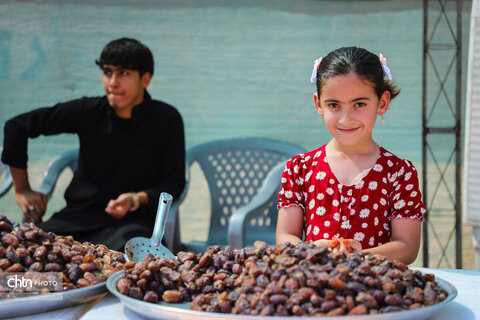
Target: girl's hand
x,y
345,246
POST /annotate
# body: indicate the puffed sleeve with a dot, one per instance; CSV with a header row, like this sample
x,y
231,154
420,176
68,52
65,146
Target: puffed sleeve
x,y
405,199
291,193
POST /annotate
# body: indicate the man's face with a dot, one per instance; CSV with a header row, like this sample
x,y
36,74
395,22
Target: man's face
x,y
124,88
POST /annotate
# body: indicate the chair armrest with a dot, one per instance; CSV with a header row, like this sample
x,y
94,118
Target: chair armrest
x,y
55,168
239,220
6,183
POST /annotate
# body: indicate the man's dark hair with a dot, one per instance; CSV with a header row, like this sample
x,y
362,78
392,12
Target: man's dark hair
x,y
127,53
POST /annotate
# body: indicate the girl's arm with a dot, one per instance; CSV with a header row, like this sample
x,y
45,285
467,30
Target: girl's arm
x,y
405,241
290,225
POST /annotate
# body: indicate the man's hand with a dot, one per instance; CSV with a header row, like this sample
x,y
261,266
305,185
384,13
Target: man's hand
x,y
33,204
119,207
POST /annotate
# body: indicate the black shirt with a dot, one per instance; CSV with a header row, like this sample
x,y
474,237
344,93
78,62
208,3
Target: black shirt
x,y
143,153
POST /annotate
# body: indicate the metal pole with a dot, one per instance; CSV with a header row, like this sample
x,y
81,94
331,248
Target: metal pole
x,y
424,131
458,142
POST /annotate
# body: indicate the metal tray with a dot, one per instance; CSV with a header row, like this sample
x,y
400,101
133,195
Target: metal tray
x,y
162,310
52,301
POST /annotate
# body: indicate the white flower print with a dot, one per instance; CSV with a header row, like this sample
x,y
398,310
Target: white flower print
x,y
311,204
364,225
422,211
390,163
311,188
288,194
396,196
375,221
325,160
308,175
380,243
299,196
380,233
336,216
299,181
331,181
307,158
386,227
314,163
289,172
359,185
399,204
410,203
408,175
305,195
337,235
365,198
385,213
383,202
320,196
282,191
335,203
320,211
317,154
372,185
330,191
384,180
346,225
371,242
409,187
349,192
326,223
359,236
321,175
375,206
312,216
393,177
387,154
401,172
396,185
316,230
364,213
352,212
326,235
296,168
309,229
413,194
377,167
344,218
284,180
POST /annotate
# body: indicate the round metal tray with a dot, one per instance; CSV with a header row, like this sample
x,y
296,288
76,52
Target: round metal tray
x,y
162,310
52,301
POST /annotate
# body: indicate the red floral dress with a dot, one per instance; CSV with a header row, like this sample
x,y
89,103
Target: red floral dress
x,y
361,211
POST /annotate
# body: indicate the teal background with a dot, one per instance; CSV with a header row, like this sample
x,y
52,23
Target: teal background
x,y
232,68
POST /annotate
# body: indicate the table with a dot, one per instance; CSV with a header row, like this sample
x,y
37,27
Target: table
x,y
464,307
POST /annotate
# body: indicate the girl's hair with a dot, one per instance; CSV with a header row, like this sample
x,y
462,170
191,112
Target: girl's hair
x,y
360,61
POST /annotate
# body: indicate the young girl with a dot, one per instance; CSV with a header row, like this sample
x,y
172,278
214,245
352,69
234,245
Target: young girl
x,y
352,188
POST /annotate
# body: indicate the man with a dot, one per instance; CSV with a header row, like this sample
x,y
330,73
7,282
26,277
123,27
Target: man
x,y
132,148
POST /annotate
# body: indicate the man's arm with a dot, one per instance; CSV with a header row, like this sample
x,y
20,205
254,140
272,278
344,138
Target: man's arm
x,y
30,202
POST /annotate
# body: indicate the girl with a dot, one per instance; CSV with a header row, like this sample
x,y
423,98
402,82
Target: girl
x,y
352,188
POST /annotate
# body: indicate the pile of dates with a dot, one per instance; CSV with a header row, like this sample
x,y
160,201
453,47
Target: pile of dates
x,y
300,280
26,248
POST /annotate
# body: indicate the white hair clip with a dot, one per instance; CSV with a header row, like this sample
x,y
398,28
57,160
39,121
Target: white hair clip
x,y
313,77
386,70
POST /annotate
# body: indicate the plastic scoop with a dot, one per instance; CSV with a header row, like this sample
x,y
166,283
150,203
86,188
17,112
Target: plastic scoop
x,y
138,248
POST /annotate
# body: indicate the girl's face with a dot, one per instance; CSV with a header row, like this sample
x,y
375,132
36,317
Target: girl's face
x,y
350,107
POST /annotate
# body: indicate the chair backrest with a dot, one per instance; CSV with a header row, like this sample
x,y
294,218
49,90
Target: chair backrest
x,y
68,159
5,177
235,169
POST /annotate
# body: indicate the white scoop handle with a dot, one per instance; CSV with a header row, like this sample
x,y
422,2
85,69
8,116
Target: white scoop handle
x,y
163,205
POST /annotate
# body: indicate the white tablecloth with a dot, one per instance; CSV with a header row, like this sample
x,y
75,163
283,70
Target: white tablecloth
x,y
466,305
